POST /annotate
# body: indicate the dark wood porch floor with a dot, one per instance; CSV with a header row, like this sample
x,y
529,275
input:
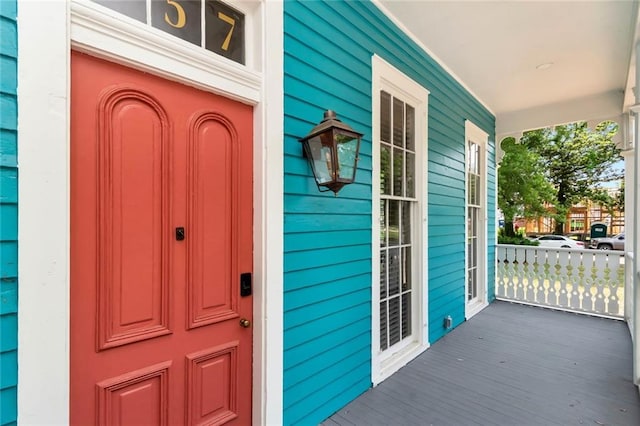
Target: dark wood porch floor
x,y
511,365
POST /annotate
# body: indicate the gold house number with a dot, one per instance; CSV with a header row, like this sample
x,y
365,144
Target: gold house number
x,y
222,32
182,16
182,21
229,20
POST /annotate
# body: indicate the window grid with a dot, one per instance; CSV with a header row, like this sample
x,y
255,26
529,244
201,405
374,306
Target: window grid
x,y
397,202
473,211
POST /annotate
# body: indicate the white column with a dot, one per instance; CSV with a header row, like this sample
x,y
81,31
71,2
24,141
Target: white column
x,y
43,253
268,222
629,215
635,237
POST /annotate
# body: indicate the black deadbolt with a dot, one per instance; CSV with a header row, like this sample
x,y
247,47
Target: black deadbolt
x,y
179,233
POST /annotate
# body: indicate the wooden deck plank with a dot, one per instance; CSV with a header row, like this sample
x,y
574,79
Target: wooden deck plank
x,y
511,365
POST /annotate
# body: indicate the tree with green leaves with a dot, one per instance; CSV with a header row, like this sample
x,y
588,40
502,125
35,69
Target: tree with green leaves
x,y
575,161
522,185
619,198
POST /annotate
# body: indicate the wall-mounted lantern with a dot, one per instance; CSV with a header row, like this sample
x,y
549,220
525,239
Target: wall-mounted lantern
x,y
332,150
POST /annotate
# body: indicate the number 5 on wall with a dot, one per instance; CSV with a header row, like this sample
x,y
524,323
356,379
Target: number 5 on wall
x,y
182,16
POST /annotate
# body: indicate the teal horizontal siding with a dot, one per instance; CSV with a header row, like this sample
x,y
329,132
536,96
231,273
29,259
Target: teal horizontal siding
x,y
9,39
313,329
8,213
8,145
8,259
306,388
9,329
9,185
307,278
298,374
328,398
321,347
327,240
9,223
9,108
299,310
8,70
8,406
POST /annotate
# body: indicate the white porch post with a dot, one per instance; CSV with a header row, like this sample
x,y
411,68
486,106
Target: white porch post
x,y
629,215
635,202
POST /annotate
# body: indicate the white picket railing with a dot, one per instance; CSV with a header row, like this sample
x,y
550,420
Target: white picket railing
x,y
585,281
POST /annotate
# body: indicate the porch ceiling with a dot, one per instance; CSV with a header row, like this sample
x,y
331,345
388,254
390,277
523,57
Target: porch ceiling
x,y
495,47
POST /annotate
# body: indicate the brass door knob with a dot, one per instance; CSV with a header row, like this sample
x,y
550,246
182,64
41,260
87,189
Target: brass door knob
x,y
245,323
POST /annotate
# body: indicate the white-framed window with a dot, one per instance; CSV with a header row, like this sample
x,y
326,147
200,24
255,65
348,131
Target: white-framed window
x,y
399,286
476,207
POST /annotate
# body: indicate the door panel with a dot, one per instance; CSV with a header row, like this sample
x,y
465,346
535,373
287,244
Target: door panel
x,y
133,254
155,319
211,246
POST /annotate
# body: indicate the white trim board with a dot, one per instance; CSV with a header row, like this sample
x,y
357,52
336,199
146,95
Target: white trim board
x,y
46,32
387,77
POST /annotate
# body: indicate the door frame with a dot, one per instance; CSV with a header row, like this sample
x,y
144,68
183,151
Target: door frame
x,y
386,76
47,31
479,136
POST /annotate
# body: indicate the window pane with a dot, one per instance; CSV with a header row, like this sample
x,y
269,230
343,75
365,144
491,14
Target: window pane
x,y
406,315
383,274
383,223
472,290
394,321
473,217
473,194
398,122
398,172
472,155
136,9
385,170
384,343
394,222
411,174
394,271
474,252
385,117
410,130
406,222
406,269
220,19
181,20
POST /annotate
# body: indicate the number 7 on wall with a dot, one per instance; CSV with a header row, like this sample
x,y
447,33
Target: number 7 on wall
x,y
229,20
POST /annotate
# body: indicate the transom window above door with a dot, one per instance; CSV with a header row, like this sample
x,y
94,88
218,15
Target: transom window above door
x,y
211,24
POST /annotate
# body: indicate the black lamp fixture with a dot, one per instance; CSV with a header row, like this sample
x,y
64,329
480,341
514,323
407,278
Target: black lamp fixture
x,y
332,150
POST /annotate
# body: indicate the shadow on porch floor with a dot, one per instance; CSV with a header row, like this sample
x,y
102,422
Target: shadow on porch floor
x,y
511,365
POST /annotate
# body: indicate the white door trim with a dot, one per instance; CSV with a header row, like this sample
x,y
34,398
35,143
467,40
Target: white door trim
x,y
46,32
476,134
387,77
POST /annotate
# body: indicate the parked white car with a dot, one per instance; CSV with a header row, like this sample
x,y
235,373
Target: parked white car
x,y
559,241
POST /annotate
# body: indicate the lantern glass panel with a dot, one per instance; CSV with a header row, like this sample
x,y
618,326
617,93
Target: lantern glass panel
x,y
322,161
347,149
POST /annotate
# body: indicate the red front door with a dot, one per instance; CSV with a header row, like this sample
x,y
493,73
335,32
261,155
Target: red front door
x,y
161,231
